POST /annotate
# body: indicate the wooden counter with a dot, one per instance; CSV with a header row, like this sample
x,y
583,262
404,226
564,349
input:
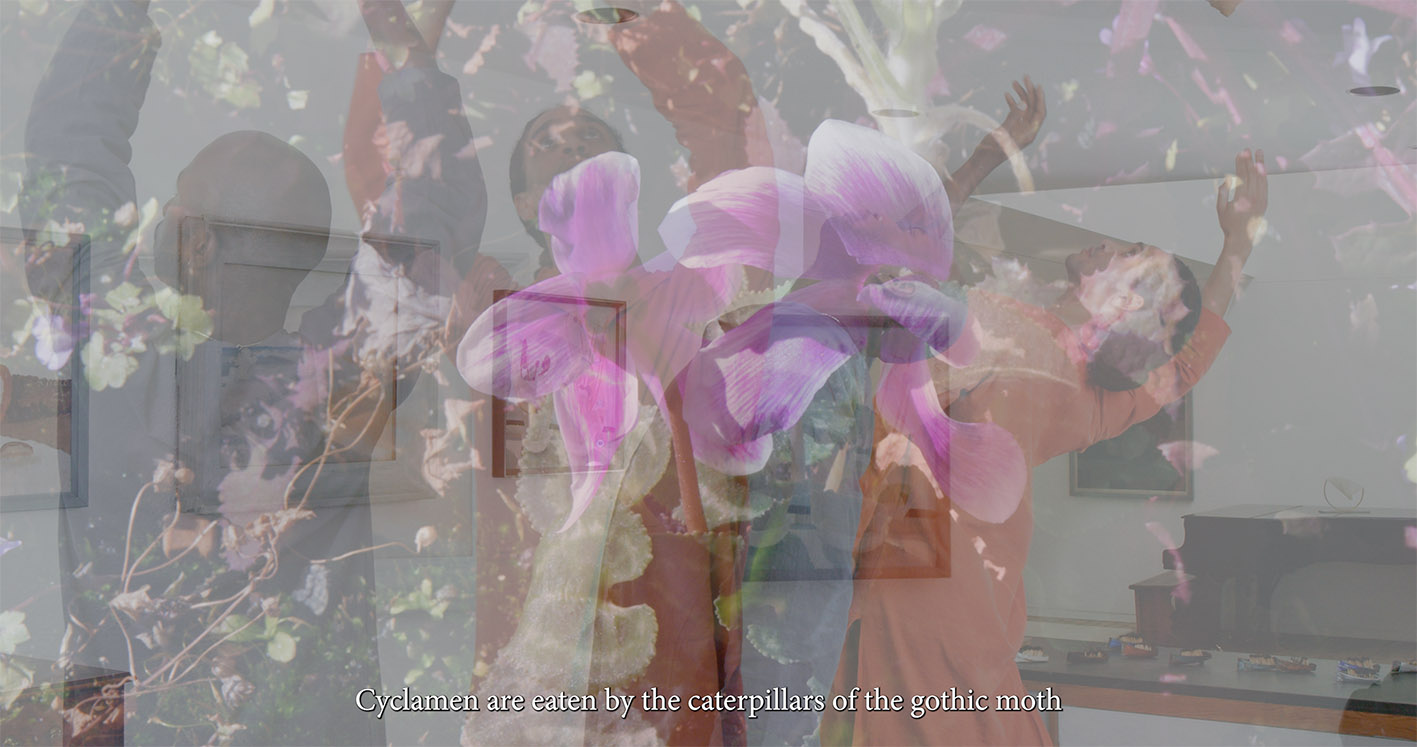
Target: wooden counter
x,y
1216,691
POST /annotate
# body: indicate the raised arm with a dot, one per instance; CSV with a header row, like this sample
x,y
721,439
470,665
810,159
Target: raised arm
x,y
1019,128
364,139
699,86
434,193
84,113
1242,222
435,190
1112,413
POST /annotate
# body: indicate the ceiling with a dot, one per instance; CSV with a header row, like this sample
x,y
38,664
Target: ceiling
x,y
1108,124
1277,62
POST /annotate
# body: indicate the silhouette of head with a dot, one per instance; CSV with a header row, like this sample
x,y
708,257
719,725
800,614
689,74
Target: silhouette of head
x,y
1144,304
250,219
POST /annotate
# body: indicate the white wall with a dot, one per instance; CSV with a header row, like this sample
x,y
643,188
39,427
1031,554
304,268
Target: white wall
x,y
1297,395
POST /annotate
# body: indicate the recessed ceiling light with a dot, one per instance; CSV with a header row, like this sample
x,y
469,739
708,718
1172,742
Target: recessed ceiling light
x,y
1373,91
898,113
607,15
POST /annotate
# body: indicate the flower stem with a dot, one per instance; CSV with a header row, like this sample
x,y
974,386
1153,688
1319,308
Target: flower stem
x,y
684,460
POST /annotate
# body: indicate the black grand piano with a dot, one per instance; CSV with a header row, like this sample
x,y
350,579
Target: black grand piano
x,y
1218,584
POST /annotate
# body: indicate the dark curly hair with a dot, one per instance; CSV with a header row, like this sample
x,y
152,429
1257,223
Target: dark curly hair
x,y
517,168
1123,361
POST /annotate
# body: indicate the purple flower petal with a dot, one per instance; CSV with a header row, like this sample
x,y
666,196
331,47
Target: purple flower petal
x,y
979,465
1131,25
592,215
528,344
930,320
760,217
53,344
594,413
887,203
667,319
841,300
758,379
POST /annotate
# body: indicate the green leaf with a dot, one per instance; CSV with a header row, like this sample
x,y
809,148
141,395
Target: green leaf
x,y
35,7
247,95
729,609
588,85
628,549
235,622
186,343
192,322
103,369
281,648
13,681
147,216
262,13
126,297
222,69
13,631
624,642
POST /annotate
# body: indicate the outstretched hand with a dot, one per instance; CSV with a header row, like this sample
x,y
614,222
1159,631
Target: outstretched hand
x,y
1019,128
1242,220
1025,117
1242,214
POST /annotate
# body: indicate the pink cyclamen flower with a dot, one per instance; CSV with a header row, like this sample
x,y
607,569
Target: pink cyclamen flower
x,y
589,336
870,222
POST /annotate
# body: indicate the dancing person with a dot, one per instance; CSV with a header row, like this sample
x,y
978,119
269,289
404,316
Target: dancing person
x,y
1132,333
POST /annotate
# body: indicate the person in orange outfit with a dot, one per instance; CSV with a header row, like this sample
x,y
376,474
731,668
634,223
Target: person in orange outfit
x,y
1058,380
702,89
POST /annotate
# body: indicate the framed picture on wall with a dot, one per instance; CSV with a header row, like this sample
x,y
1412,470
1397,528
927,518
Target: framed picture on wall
x,y
239,422
603,319
44,446
805,535
1151,459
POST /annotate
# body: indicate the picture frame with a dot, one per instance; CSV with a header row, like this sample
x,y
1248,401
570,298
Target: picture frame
x,y
605,317
44,454
807,524
1133,465
392,470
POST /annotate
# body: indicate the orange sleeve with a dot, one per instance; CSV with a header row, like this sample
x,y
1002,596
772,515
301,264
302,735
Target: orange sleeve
x,y
699,86
905,516
1115,412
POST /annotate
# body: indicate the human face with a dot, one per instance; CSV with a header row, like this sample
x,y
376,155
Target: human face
x,y
1134,285
557,141
1098,258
